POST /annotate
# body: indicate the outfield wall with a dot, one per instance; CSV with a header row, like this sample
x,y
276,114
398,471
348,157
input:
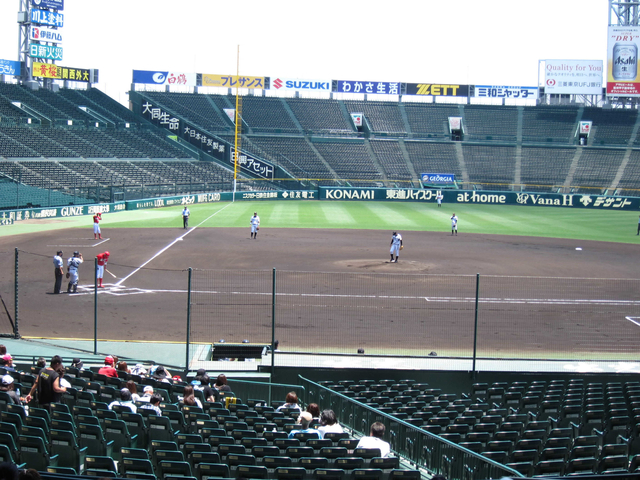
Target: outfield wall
x,y
451,197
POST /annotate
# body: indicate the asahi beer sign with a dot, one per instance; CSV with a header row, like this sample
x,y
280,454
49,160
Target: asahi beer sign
x,y
622,61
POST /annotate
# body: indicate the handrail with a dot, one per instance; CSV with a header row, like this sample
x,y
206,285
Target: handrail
x,y
415,445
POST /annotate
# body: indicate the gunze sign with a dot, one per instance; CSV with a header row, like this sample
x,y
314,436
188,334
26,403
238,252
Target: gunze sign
x,y
481,197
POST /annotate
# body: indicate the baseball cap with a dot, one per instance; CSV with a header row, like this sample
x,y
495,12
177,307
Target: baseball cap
x,y
76,253
148,388
7,379
108,360
306,416
7,357
59,252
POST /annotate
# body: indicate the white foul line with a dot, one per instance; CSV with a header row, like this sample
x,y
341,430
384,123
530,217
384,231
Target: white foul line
x,y
631,319
170,245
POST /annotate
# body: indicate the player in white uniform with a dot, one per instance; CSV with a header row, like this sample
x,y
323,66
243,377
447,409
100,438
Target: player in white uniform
x,y
439,199
454,224
255,225
396,245
72,271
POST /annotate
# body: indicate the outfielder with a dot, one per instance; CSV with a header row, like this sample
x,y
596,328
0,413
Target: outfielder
x,y
439,198
185,217
72,271
454,224
396,246
103,258
96,226
255,225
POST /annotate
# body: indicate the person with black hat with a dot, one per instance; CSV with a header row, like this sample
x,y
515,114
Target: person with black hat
x,y
72,271
58,264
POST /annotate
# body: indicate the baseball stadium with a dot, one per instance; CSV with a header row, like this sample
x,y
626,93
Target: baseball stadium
x,y
451,270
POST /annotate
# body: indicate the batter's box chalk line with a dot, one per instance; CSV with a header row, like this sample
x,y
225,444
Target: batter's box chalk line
x,y
635,320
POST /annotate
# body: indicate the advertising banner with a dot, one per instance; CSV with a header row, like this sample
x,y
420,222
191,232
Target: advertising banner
x,y
494,91
437,178
357,119
233,81
164,78
573,77
437,90
55,4
45,17
48,52
43,34
603,202
253,165
193,135
49,70
286,84
378,88
9,67
622,61
585,127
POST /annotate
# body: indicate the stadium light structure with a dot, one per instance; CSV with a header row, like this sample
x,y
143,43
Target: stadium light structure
x,y
23,41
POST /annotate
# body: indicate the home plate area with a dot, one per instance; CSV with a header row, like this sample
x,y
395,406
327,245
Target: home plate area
x,y
119,290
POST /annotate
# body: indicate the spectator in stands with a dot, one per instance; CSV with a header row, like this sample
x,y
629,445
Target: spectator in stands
x,y
158,372
210,394
138,369
374,440
290,402
29,474
221,383
189,397
77,363
153,404
122,366
9,387
147,393
314,410
47,384
108,369
131,386
125,400
8,471
329,423
304,419
8,363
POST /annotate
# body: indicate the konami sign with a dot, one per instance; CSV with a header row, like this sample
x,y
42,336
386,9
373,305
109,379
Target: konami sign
x,y
284,84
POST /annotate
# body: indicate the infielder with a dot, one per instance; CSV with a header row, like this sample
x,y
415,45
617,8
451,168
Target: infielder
x,y
454,224
255,225
185,217
439,198
96,226
72,271
103,258
396,246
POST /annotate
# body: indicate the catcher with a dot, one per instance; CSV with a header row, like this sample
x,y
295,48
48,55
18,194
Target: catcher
x,y
72,271
396,246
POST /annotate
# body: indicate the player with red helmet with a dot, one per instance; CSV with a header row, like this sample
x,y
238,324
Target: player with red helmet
x,y
103,258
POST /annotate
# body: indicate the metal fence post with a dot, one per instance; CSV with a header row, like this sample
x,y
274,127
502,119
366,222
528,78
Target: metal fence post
x,y
273,322
95,306
475,327
16,332
188,318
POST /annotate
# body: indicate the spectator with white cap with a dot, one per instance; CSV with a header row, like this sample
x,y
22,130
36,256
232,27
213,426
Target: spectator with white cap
x,y
147,394
8,386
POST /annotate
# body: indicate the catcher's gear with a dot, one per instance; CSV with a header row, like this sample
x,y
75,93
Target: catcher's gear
x,y
68,274
401,247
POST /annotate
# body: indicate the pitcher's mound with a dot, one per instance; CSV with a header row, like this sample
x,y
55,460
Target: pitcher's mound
x,y
385,266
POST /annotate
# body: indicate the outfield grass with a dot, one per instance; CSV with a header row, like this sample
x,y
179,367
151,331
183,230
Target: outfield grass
x,y
581,224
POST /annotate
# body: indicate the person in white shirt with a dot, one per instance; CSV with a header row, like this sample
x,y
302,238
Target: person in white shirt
x,y
328,423
255,225
125,400
374,440
185,217
439,197
454,224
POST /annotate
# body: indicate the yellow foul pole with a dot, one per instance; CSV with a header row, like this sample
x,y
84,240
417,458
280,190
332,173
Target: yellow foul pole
x,y
238,129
